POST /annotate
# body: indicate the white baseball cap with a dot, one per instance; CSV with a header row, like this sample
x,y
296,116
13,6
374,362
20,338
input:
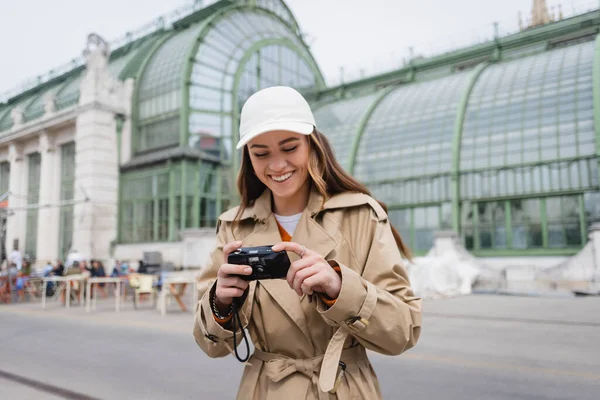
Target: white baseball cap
x,y
278,108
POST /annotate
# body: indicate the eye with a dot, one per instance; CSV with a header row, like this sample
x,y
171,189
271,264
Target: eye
x,y
290,149
260,155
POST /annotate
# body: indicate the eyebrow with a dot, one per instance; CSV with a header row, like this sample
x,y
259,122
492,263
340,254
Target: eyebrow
x,y
284,141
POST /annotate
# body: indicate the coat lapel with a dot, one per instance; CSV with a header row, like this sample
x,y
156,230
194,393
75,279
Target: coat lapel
x,y
308,232
266,233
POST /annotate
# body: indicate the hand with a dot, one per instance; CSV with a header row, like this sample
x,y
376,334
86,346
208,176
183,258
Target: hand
x,y
311,273
229,286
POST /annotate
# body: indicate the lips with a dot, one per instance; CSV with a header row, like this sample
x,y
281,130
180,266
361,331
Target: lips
x,y
282,178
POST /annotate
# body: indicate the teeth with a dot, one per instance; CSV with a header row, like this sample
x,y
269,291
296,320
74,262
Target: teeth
x,y
282,177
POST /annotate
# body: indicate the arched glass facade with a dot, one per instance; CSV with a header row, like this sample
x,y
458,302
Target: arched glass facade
x,y
499,141
190,95
339,121
529,131
505,152
244,51
405,155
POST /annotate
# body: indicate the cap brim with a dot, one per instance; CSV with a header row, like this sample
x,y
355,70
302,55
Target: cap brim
x,y
302,128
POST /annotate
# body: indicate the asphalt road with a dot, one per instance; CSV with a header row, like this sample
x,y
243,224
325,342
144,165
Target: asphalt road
x,y
477,347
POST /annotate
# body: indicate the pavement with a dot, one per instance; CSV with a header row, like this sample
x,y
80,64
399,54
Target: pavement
x,y
471,347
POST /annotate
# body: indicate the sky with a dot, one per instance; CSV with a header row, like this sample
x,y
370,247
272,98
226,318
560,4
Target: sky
x,y
362,37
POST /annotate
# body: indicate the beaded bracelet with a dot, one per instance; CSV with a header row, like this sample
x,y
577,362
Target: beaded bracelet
x,y
215,310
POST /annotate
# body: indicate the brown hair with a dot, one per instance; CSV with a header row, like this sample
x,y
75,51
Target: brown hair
x,y
328,177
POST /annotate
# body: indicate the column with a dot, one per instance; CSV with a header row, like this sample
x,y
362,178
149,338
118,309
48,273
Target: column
x,y
48,223
96,165
15,224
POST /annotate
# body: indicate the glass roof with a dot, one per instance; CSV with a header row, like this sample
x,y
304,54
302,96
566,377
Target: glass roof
x,y
339,122
278,8
160,86
409,135
285,61
67,94
534,110
7,122
5,118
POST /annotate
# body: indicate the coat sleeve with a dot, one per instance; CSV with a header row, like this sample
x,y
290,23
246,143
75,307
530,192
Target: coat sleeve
x,y
376,303
214,339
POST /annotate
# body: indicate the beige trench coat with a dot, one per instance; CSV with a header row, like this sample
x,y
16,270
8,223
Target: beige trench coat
x,y
299,342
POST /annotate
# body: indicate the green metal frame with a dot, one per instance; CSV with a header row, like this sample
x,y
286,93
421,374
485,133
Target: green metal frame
x,y
596,94
185,110
295,24
136,90
551,31
537,252
186,77
208,25
363,124
145,173
545,249
238,75
235,162
456,145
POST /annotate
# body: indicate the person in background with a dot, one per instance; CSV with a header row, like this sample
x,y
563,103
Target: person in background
x,y
59,269
74,256
48,268
16,258
116,272
98,271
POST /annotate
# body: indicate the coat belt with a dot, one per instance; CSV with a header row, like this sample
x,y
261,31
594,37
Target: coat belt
x,y
278,367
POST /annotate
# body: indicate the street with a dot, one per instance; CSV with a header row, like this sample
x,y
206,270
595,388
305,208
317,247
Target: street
x,y
474,347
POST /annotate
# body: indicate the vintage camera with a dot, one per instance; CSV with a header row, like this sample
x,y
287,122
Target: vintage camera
x,y
265,263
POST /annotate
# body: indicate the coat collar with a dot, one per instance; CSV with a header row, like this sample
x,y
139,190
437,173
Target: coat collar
x,y
308,232
261,209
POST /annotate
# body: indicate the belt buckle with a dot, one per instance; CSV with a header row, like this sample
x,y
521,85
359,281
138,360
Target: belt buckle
x,y
338,380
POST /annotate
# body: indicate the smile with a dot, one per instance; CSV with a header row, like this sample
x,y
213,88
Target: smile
x,y
282,178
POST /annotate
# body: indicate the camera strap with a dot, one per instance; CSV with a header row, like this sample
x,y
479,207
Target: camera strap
x,y
236,321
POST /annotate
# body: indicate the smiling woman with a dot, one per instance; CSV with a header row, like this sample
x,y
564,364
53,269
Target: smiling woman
x,y
280,161
346,289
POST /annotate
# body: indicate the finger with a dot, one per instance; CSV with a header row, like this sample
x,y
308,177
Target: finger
x,y
297,266
294,248
233,269
312,281
230,247
233,281
301,277
230,293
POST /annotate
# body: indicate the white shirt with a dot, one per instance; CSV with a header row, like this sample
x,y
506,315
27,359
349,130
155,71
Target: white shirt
x,y
16,258
289,222
72,257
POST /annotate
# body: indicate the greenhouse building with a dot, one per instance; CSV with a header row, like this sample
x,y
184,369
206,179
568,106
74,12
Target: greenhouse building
x,y
131,147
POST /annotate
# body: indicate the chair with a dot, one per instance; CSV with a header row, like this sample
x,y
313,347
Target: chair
x,y
33,287
142,284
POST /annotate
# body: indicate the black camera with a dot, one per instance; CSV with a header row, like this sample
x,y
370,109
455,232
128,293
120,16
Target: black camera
x,y
265,263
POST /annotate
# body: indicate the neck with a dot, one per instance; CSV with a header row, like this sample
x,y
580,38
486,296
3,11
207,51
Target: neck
x,y
294,204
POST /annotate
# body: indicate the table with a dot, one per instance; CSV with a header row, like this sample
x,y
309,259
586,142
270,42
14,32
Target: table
x,y
67,280
107,279
169,283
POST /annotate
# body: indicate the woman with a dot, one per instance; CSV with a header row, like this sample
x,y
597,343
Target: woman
x,y
346,289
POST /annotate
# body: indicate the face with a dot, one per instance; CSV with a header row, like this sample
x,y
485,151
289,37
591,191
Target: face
x,y
280,161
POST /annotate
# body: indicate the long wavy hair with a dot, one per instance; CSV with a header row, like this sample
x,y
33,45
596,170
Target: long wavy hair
x,y
327,175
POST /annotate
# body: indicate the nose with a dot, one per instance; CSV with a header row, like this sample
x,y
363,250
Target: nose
x,y
278,164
